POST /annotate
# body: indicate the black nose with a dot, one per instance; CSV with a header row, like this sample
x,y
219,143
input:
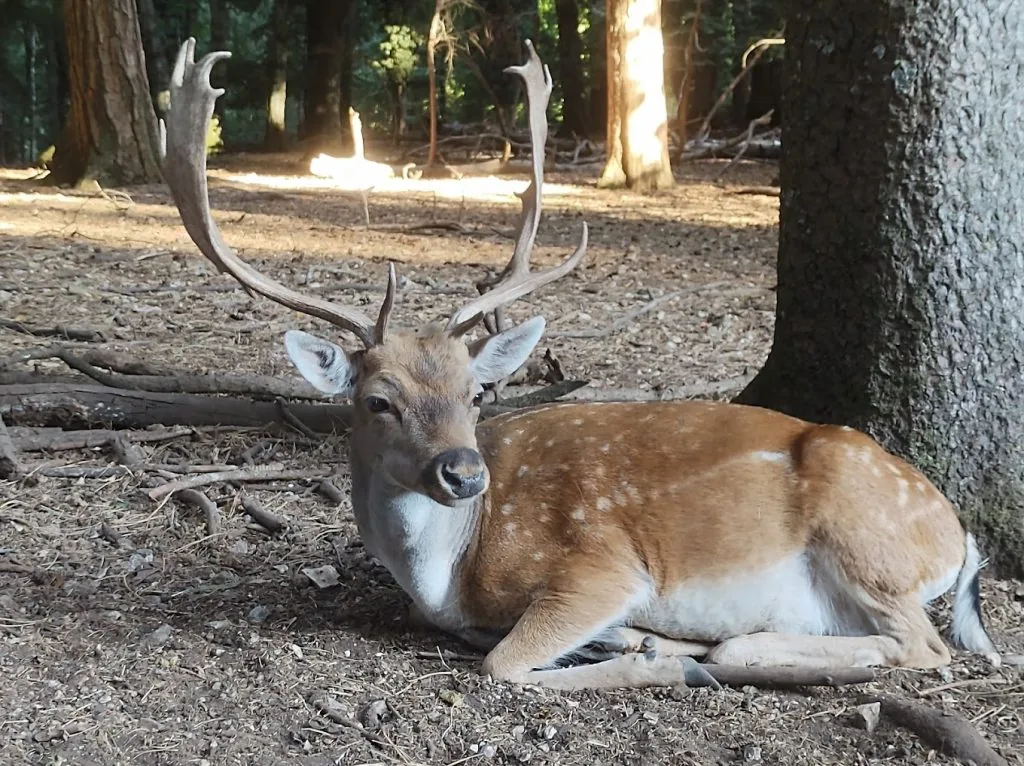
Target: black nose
x,y
461,472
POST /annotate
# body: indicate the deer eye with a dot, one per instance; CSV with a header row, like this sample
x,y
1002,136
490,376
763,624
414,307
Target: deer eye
x,y
377,404
478,398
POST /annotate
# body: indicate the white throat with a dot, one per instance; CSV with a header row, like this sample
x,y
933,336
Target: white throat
x,y
420,541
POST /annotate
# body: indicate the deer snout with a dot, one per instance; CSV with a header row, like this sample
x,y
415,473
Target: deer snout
x,y
460,473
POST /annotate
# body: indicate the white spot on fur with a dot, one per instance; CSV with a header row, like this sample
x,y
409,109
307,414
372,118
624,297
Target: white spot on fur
x,y
544,519
618,498
633,492
538,555
511,527
522,470
770,457
604,504
919,486
904,495
894,469
875,470
506,509
605,447
845,428
577,421
579,513
506,441
549,443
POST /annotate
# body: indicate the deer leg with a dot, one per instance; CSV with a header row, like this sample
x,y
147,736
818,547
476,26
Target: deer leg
x,y
590,598
625,640
907,638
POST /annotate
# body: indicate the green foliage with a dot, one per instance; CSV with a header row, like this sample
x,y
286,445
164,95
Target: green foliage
x,y
399,53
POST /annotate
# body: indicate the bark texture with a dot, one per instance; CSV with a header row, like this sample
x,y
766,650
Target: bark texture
x,y
901,255
325,69
110,135
275,134
570,69
637,134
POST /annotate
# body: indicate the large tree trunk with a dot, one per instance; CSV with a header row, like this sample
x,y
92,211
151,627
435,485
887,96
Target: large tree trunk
x,y
156,61
275,135
110,135
324,70
637,122
570,70
901,254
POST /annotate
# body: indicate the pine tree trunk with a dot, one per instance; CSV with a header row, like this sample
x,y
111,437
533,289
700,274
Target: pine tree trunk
x,y
901,254
110,135
637,114
432,35
570,69
275,135
324,46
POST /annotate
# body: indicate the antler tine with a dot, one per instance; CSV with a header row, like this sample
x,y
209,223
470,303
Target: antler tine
x,y
183,151
516,280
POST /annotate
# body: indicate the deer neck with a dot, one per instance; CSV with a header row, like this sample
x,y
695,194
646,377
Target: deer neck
x,y
421,542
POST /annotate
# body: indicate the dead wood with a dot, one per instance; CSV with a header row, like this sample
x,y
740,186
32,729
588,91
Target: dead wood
x,y
328,489
269,521
57,331
83,471
787,677
10,465
259,386
948,733
206,505
90,406
58,440
763,121
624,321
258,473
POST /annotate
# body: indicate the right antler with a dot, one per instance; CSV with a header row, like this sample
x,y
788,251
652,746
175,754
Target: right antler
x,y
183,150
516,280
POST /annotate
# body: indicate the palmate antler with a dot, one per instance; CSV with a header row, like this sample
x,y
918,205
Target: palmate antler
x,y
183,152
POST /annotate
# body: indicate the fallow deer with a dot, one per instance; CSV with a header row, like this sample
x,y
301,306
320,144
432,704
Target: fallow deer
x,y
650,533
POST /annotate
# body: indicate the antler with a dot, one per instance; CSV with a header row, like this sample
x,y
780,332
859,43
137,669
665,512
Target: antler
x,y
516,280
183,151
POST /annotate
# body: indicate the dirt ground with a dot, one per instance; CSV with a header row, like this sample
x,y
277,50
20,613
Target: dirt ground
x,y
174,646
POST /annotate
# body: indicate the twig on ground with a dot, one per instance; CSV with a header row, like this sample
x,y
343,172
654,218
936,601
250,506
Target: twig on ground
x,y
787,677
623,322
260,473
109,534
84,334
328,489
289,417
763,120
269,521
10,465
948,733
83,472
58,440
206,505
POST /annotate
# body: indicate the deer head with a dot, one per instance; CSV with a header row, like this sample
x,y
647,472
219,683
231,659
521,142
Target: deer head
x,y
416,393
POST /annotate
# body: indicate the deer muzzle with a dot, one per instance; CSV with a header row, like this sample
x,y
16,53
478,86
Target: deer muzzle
x,y
457,474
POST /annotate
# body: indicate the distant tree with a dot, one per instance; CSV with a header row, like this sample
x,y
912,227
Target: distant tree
x,y
901,244
326,49
275,135
570,69
637,123
110,134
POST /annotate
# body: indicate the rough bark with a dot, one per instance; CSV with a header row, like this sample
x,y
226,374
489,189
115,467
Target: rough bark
x,y
901,255
637,134
570,70
275,135
110,135
324,112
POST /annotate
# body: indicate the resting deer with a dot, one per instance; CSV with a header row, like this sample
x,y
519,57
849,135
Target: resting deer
x,y
647,533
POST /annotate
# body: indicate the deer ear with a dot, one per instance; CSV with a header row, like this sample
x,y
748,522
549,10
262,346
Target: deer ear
x,y
500,355
325,365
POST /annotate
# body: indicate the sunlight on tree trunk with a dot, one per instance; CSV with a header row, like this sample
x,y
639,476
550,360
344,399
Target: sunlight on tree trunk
x,y
275,136
432,35
111,135
637,132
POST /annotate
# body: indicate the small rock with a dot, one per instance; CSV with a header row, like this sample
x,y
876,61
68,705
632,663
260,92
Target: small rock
x,y
258,614
489,751
140,559
946,674
867,716
322,577
549,732
373,713
519,732
451,697
159,636
296,650
8,604
751,753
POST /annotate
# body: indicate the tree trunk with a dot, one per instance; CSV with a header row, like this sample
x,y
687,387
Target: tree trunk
x,y
432,35
570,69
156,60
324,48
275,135
901,253
110,135
220,20
637,133
31,45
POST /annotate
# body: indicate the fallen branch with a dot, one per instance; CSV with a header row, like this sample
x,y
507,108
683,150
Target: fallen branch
x,y
759,122
623,322
328,489
259,473
10,465
206,505
57,331
269,521
948,733
787,677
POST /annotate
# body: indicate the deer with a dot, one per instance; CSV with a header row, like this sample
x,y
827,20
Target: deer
x,y
596,545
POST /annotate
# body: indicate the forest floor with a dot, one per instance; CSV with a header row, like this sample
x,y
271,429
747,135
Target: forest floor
x,y
130,635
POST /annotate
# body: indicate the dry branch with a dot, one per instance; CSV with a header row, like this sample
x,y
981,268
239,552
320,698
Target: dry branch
x,y
947,732
57,331
269,521
787,677
206,505
259,473
58,440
